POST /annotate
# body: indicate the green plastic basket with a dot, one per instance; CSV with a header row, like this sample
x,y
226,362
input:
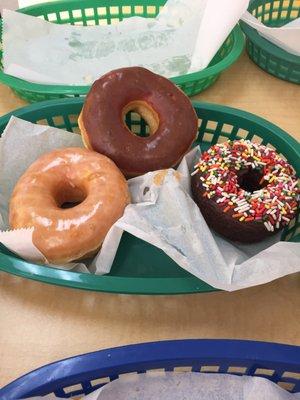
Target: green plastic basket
x,y
140,268
265,54
102,12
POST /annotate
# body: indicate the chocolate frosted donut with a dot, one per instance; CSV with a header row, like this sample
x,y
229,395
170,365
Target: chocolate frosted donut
x,y
245,191
167,110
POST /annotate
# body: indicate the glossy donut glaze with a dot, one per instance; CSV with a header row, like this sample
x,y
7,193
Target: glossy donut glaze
x,y
104,130
71,175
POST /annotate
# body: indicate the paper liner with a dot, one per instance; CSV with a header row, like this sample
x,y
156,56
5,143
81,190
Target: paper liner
x,y
182,39
164,214
287,36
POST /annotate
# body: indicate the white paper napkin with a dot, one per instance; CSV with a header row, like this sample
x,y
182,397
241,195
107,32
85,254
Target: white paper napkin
x,y
287,37
8,4
183,38
189,385
163,213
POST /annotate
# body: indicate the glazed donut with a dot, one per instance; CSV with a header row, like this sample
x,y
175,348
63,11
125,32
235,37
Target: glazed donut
x,y
171,118
244,190
90,181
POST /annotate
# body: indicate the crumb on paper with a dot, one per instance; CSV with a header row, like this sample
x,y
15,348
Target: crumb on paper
x,y
159,177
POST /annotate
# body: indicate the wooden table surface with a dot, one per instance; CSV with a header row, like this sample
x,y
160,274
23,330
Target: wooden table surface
x,y
40,323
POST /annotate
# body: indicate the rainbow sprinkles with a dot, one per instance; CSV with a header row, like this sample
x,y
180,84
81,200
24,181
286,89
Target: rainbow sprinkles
x,y
275,200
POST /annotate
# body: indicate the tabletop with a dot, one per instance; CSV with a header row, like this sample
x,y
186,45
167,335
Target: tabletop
x,y
40,323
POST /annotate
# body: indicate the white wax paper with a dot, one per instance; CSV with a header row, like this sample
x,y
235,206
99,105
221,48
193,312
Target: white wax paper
x,y
8,4
182,39
189,386
287,37
162,213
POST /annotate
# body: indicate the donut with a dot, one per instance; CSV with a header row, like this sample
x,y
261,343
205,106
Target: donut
x,y
245,191
172,121
89,182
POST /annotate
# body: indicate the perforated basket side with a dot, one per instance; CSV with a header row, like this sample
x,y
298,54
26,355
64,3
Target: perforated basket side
x,y
265,54
83,374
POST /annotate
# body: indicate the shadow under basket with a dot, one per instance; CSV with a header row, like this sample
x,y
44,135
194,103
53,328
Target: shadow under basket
x,y
81,375
265,54
140,268
106,12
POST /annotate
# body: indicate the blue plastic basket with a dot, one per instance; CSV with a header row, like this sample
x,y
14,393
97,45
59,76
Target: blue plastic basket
x,y
83,374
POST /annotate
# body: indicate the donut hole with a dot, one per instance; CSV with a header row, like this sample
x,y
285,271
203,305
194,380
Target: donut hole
x,y
70,204
70,197
140,118
251,180
136,124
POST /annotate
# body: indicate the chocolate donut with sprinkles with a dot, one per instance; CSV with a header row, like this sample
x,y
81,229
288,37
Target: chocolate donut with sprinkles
x,y
245,191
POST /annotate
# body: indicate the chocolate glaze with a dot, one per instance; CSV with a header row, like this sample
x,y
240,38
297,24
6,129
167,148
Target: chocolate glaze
x,y
107,134
223,223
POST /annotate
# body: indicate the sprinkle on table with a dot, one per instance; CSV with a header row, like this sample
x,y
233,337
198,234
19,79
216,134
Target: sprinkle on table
x,y
274,203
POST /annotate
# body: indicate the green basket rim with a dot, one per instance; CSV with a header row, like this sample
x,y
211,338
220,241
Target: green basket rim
x,y
113,284
21,84
286,137
268,46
